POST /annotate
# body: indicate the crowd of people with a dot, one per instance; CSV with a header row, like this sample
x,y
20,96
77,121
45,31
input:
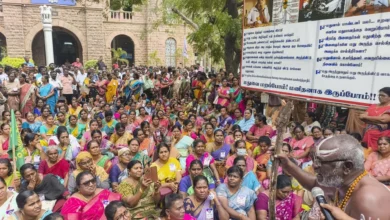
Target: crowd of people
x,y
164,143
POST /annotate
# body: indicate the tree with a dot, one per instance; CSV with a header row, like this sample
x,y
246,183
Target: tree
x,y
117,56
154,59
216,24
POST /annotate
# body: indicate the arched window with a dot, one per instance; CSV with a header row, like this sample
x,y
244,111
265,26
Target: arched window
x,y
170,52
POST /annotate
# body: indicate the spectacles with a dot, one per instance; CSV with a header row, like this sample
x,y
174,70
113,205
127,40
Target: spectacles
x,y
124,215
89,182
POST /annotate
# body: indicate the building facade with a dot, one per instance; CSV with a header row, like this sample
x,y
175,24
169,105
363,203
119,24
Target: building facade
x,y
90,29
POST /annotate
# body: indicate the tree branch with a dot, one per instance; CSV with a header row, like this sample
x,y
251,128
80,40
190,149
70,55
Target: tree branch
x,y
185,18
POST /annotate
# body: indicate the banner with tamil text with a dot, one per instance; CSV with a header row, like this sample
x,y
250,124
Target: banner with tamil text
x,y
328,50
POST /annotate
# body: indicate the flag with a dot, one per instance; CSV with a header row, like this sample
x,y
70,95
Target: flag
x,y
15,142
185,53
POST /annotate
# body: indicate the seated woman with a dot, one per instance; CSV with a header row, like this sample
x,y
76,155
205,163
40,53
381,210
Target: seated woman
x,y
176,137
236,199
4,140
140,194
7,200
121,137
185,185
147,144
30,207
55,165
239,135
49,186
117,210
219,151
310,122
97,157
87,136
45,113
31,123
240,150
288,205
60,119
89,201
317,135
49,129
136,154
260,128
329,132
173,208
12,180
378,163
84,162
109,123
250,178
32,151
208,135
301,145
208,163
106,147
74,128
68,145
202,201
262,156
118,171
84,120
168,168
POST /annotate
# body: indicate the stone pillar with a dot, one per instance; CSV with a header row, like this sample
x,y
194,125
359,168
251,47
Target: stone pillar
x,y
47,31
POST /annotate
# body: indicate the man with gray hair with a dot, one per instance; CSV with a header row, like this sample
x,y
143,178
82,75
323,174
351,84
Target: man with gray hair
x,y
339,163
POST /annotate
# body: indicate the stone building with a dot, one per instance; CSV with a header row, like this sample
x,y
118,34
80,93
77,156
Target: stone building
x,y
89,29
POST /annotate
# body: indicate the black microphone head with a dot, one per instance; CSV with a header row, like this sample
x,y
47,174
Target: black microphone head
x,y
317,191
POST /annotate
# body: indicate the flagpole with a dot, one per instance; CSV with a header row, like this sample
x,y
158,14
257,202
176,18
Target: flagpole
x,y
12,142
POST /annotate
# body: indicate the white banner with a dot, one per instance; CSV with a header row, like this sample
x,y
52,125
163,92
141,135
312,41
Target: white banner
x,y
343,60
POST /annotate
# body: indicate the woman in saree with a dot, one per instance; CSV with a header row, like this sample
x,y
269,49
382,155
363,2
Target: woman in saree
x,y
262,156
223,94
87,136
378,163
27,95
168,168
219,151
12,180
317,135
7,200
377,119
84,162
237,95
118,171
111,88
288,205
208,162
121,137
208,135
31,123
45,113
198,87
236,199
48,185
53,164
131,123
248,121
173,208
250,178
67,144
48,93
84,119
188,129
301,145
136,154
12,90
32,151
4,140
176,85
135,87
101,86
62,117
89,201
140,194
240,150
176,137
199,204
147,145
75,129
260,128
30,207
37,109
98,158
185,186
143,116
106,147
48,129
109,123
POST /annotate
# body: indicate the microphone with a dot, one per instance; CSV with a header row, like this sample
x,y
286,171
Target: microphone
x,y
318,193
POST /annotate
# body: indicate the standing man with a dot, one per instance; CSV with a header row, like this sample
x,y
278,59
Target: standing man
x,y
27,61
56,82
3,76
77,63
67,80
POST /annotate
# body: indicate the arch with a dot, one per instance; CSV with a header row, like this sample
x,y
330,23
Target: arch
x,y
126,44
111,37
170,52
3,45
28,40
67,47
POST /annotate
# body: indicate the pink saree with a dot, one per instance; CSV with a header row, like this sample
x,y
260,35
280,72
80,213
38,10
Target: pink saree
x,y
223,101
76,209
286,209
299,146
26,98
377,167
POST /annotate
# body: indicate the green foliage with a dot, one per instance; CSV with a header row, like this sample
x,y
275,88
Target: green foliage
x,y
126,5
90,64
117,56
14,62
153,59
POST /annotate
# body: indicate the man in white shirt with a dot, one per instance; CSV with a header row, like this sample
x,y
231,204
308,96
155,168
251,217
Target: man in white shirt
x,y
55,81
3,76
81,75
